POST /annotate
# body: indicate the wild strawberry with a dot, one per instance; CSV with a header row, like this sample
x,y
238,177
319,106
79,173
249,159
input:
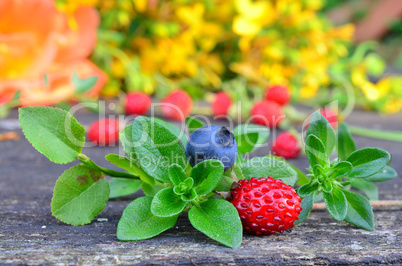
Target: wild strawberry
x,y
267,113
266,205
177,105
221,104
330,115
137,103
286,146
104,132
278,94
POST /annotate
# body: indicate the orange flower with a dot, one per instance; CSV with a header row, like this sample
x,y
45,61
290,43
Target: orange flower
x,y
35,40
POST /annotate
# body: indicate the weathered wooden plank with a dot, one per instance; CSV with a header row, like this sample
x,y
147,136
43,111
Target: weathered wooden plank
x,y
29,234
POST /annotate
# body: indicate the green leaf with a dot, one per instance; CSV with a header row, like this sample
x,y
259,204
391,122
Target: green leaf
x,y
250,137
83,85
120,187
387,173
174,129
53,132
302,178
150,190
126,140
238,172
184,187
326,186
366,187
129,165
207,175
166,203
336,203
191,195
306,205
176,174
315,151
322,129
360,213
156,148
346,144
268,166
307,189
219,220
80,194
226,183
367,161
193,123
341,169
138,222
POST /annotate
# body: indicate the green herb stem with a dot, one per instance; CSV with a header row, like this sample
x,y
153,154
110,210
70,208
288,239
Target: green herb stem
x,y
85,160
377,134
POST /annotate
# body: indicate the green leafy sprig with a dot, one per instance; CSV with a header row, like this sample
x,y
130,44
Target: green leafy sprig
x,y
156,163
332,179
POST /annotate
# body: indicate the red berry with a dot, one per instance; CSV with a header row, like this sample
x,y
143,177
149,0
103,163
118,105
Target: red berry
x,y
278,94
286,146
267,113
330,115
137,103
221,104
266,205
177,105
104,132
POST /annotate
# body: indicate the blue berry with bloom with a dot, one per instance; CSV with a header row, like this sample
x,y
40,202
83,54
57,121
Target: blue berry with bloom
x,y
212,142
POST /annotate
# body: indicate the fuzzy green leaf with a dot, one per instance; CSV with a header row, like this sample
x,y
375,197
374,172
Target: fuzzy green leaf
x,y
367,161
315,151
53,132
120,187
138,222
174,129
207,175
80,194
193,123
336,203
176,174
269,166
307,189
226,182
387,173
346,144
341,169
306,205
166,203
219,220
368,188
250,137
302,178
150,190
360,213
156,148
322,129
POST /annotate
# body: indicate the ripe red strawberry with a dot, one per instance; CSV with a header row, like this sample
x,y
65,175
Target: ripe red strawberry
x,y
286,146
330,115
278,94
177,105
104,132
221,104
267,113
266,205
137,103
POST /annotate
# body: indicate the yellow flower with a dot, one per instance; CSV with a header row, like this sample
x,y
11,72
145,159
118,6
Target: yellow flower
x,y
253,15
393,106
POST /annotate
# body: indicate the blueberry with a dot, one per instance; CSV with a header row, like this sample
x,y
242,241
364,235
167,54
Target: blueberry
x,y
212,142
